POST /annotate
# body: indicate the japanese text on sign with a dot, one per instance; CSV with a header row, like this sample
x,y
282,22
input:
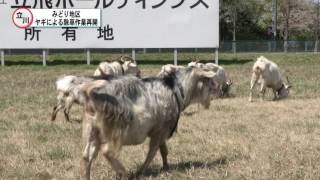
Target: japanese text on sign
x,y
109,24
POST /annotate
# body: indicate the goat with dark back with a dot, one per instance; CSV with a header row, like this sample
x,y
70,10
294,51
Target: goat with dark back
x,y
126,110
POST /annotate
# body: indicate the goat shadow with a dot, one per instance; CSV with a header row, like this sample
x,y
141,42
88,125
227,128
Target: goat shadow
x,y
154,171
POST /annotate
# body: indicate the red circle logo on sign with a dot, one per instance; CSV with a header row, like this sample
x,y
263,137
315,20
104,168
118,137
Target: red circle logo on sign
x,y
22,17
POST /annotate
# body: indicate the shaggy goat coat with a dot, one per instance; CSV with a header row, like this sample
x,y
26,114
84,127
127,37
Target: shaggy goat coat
x,y
127,110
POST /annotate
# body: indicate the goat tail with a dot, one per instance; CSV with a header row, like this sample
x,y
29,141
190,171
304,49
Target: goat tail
x,y
89,88
65,83
257,69
89,93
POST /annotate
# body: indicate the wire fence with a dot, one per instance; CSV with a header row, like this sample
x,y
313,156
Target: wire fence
x,y
225,47
267,46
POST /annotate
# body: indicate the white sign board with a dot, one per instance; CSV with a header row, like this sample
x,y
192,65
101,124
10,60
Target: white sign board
x,y
124,24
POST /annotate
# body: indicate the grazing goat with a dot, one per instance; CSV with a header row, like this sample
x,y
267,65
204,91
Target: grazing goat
x,y
126,110
170,68
118,68
267,73
224,84
68,86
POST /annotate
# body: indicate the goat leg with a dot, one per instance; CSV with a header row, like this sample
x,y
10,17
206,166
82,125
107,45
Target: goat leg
x,y
164,154
274,95
55,110
254,80
89,154
66,115
262,91
69,102
153,147
115,163
54,113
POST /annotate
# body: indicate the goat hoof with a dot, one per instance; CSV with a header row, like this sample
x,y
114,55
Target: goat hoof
x,y
68,120
121,177
133,176
165,168
139,173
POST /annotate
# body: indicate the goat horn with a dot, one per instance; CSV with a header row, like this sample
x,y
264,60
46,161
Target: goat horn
x,y
119,58
122,59
190,59
197,59
128,58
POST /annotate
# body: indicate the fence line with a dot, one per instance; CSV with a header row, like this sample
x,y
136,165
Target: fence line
x,y
266,46
225,47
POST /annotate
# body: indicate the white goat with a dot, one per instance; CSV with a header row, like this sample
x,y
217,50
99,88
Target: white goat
x,y
267,73
118,68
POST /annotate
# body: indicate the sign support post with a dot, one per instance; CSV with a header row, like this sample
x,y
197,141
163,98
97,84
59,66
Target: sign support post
x,y
88,56
44,57
216,57
175,56
133,55
2,57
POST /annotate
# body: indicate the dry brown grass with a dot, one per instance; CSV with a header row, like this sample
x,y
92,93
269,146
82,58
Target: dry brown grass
x,y
234,139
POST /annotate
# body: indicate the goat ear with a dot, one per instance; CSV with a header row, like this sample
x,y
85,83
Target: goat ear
x,y
200,65
288,80
130,59
289,83
229,83
132,64
168,69
206,74
197,60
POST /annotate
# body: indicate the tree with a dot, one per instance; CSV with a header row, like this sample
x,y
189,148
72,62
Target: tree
x,y
240,16
295,20
253,19
285,8
317,28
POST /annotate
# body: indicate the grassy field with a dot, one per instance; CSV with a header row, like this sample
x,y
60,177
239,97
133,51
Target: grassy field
x,y
234,139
